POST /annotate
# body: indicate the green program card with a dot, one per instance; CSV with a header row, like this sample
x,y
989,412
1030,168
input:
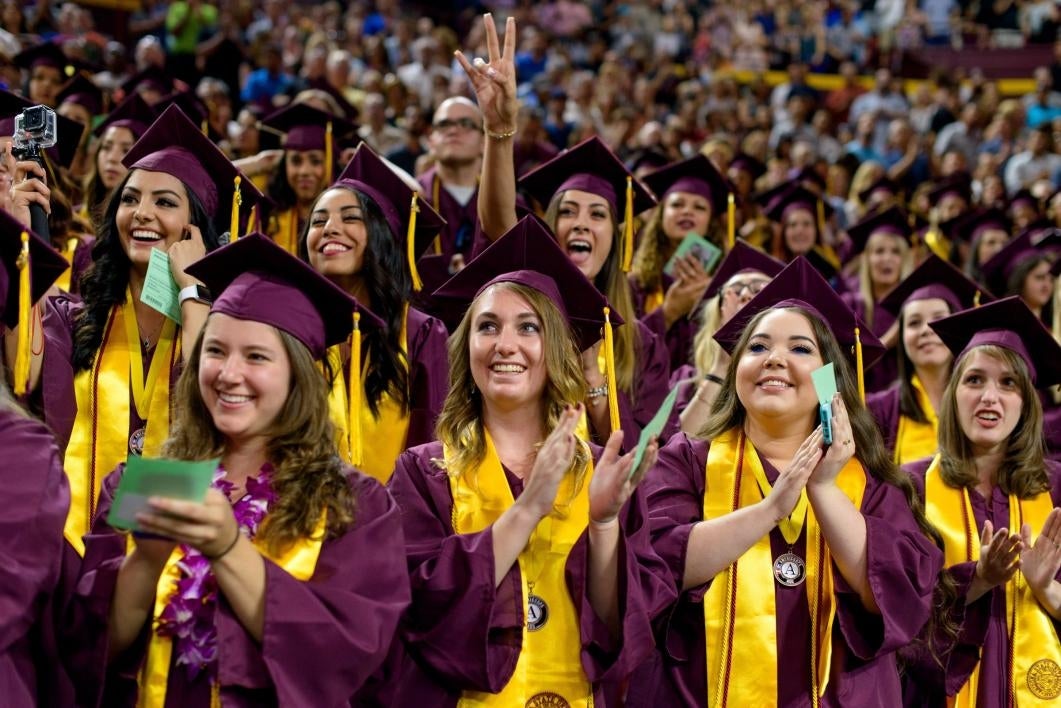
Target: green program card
x,y
824,379
654,427
160,290
147,477
707,252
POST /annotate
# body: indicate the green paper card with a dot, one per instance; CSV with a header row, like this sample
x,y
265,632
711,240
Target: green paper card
x,y
654,428
160,289
705,251
147,477
824,379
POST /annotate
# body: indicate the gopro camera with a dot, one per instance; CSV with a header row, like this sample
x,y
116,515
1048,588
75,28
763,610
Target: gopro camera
x,y
35,129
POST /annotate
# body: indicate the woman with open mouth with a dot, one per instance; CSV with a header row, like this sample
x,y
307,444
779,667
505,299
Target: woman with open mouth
x,y
589,200
104,365
993,496
388,383
802,562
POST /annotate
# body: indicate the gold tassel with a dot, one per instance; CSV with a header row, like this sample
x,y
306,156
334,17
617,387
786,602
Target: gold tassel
x,y
731,212
328,154
628,226
976,299
821,219
410,244
25,306
609,371
237,199
858,366
205,127
354,421
256,220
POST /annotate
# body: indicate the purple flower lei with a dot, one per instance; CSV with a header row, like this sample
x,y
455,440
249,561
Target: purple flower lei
x,y
188,616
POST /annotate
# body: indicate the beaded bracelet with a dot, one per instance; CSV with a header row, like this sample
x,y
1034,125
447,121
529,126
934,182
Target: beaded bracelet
x,y
501,136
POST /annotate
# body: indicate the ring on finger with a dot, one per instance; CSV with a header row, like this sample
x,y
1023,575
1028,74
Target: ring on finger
x,y
478,62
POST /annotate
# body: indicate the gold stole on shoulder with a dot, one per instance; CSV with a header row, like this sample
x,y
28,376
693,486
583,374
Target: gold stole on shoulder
x,y
914,440
653,300
299,560
1035,652
64,280
387,431
286,235
550,658
99,440
739,610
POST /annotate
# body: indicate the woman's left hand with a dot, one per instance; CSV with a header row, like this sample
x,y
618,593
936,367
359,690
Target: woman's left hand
x,y
208,527
612,482
840,451
1041,561
185,252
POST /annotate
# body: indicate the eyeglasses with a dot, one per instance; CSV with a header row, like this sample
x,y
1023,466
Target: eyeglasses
x,y
462,123
737,289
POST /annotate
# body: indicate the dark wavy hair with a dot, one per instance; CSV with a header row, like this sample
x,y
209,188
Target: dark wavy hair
x,y
281,191
387,280
103,285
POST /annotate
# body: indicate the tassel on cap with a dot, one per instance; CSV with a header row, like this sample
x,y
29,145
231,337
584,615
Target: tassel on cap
x,y
976,299
609,371
858,366
731,212
25,306
354,419
628,226
237,199
329,151
410,244
821,218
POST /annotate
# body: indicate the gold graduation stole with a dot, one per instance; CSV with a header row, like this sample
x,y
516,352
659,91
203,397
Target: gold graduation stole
x,y
549,670
1035,651
387,431
740,615
100,437
63,281
299,561
654,300
286,235
915,441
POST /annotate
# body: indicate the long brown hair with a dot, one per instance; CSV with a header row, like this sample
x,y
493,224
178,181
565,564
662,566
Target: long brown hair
x,y
460,424
647,268
1023,469
308,477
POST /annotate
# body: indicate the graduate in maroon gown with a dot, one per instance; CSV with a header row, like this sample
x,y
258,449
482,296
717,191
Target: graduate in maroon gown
x,y
589,199
286,584
803,567
36,498
357,237
533,579
994,497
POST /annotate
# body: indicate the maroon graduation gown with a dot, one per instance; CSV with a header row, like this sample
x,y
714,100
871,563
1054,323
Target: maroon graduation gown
x,y
463,633
428,361
462,224
33,558
884,407
885,372
983,634
651,377
902,563
679,338
322,639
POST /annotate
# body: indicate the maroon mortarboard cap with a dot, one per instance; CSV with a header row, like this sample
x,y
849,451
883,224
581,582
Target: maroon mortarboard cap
x,y
935,278
824,260
742,258
767,197
153,78
809,178
1019,250
797,197
958,184
176,146
11,104
368,173
133,114
1024,196
1006,323
46,265
1038,228
529,254
187,101
590,167
881,184
255,279
892,221
800,285
968,226
306,128
81,91
747,163
47,54
647,158
696,176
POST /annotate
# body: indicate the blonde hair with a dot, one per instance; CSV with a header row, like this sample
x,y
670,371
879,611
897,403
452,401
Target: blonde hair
x,y
864,176
865,282
705,348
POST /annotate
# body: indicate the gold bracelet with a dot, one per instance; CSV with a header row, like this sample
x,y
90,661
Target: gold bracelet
x,y
501,136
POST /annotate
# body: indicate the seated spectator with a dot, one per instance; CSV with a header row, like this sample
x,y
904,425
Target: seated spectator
x,y
1039,161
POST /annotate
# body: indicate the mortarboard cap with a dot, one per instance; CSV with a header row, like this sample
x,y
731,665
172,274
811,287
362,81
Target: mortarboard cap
x,y
1000,266
592,167
935,278
307,128
800,285
747,163
83,92
810,179
958,184
1025,196
153,78
412,228
646,158
893,221
254,279
881,184
742,258
1005,323
968,226
797,197
188,102
697,176
133,114
47,54
176,146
